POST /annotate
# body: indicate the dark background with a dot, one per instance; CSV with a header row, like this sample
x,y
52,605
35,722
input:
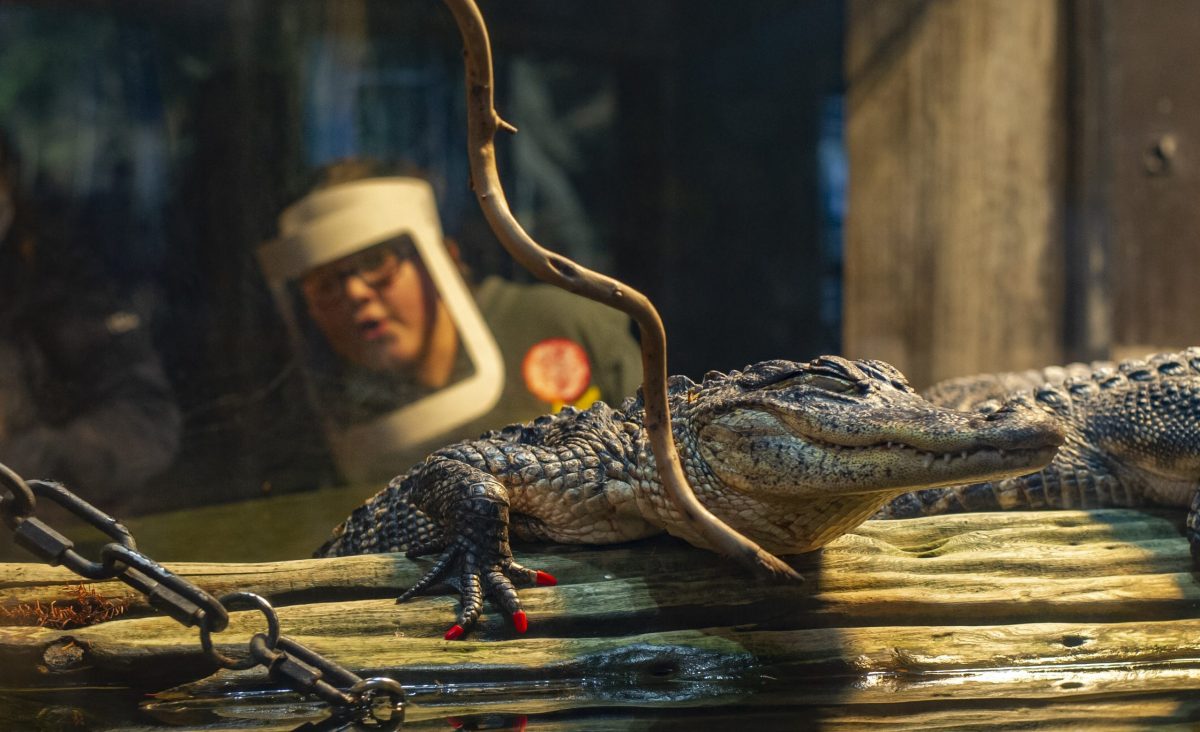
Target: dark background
x,y
675,145
954,186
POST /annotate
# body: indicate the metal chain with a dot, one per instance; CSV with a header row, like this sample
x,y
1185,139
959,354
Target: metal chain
x,y
377,703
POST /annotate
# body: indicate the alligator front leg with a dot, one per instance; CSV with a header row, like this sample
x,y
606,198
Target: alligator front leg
x,y
471,507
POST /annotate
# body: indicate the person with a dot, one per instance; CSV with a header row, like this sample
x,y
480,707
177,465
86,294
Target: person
x,y
390,337
381,315
83,396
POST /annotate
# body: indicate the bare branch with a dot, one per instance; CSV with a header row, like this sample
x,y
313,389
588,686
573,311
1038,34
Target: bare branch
x,y
482,123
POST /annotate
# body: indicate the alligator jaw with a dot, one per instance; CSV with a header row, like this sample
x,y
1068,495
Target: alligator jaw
x,y
901,466
763,454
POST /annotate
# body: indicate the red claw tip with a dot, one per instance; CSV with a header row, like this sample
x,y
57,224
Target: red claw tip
x,y
545,579
520,622
520,723
454,632
454,722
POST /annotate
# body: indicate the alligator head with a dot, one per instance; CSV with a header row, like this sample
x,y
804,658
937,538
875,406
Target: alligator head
x,y
825,443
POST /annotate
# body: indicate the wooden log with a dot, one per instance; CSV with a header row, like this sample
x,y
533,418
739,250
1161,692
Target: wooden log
x,y
1014,603
877,554
1012,570
859,666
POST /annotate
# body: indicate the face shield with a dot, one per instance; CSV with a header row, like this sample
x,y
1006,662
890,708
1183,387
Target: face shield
x,y
394,350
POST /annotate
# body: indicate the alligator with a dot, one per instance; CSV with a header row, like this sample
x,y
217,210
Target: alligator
x,y
1132,434
790,454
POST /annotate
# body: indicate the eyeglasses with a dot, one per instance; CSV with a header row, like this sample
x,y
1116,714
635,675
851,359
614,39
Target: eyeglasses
x,y
325,286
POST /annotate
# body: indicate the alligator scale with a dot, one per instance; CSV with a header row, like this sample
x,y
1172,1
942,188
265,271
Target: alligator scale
x,y
1132,438
791,454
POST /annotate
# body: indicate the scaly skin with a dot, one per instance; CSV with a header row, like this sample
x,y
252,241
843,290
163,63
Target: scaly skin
x,y
790,454
1132,438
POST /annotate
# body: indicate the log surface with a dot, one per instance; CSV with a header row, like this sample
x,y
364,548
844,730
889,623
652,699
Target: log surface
x,y
947,620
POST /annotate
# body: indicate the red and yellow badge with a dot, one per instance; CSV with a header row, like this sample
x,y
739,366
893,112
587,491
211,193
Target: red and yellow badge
x,y
557,371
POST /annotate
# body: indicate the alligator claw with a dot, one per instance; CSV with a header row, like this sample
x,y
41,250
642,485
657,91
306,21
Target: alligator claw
x,y
478,576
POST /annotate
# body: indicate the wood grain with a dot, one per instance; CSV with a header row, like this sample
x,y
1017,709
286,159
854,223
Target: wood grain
x,y
954,244
955,617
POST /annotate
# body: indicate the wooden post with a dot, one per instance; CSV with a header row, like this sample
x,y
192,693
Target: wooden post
x,y
955,242
1151,109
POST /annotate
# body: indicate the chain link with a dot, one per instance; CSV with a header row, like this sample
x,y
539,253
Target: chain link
x,y
253,659
21,503
40,539
376,703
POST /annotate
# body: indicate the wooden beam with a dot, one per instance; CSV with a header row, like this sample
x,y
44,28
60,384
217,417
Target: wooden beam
x,y
954,254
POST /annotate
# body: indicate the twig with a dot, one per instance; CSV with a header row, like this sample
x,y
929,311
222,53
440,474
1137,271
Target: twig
x,y
482,123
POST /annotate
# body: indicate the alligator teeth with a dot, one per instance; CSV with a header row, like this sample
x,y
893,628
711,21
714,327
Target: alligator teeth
x,y
1003,454
963,455
928,459
946,458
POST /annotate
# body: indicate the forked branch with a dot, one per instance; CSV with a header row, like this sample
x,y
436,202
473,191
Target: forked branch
x,y
482,123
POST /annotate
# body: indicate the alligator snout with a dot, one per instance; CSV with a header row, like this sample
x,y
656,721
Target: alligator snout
x,y
1017,424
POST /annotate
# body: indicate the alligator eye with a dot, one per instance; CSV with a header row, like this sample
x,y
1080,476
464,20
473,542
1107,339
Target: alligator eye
x,y
830,383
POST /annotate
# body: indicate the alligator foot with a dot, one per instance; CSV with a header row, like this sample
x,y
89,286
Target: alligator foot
x,y
478,560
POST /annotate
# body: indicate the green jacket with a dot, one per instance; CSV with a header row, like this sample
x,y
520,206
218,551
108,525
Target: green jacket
x,y
574,338
522,316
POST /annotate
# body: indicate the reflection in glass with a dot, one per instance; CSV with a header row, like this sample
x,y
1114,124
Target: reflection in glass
x,y
394,348
377,336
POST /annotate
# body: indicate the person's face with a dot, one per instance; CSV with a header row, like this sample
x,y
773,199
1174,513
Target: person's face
x,y
373,307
